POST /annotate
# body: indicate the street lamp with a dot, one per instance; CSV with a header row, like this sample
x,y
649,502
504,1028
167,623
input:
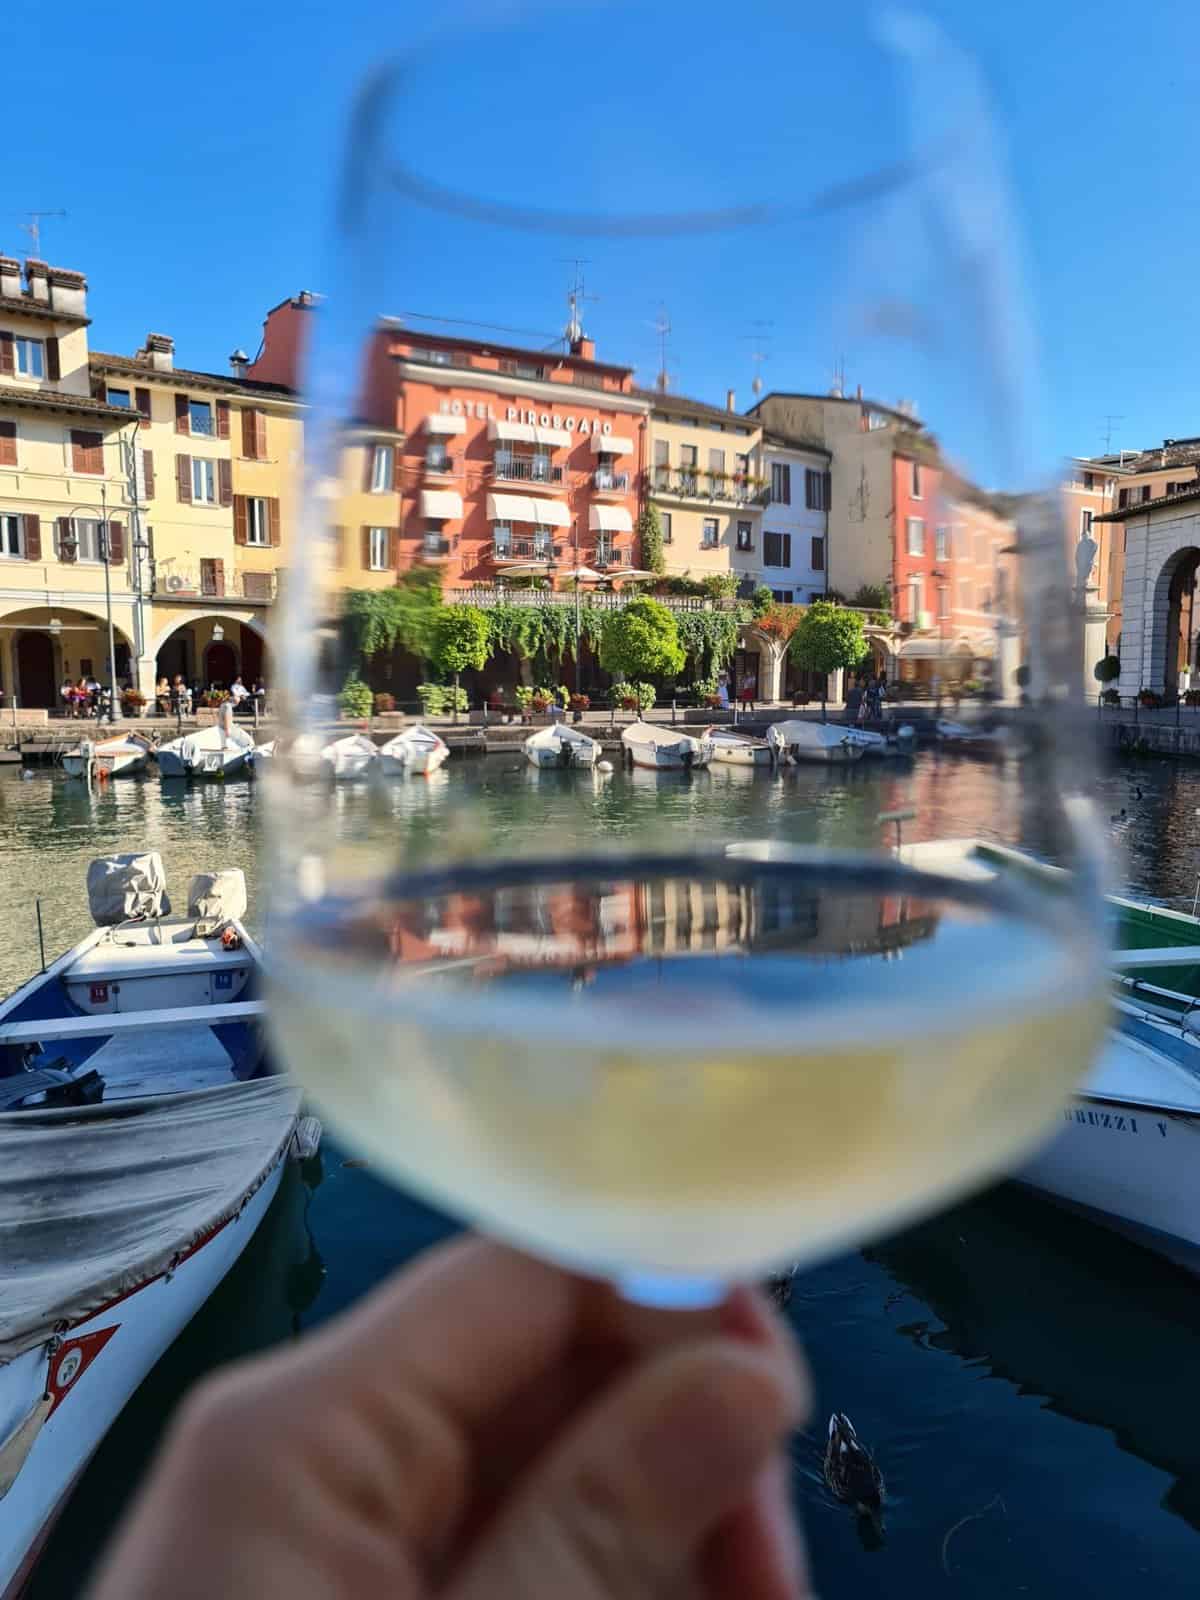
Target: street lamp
x,y
940,577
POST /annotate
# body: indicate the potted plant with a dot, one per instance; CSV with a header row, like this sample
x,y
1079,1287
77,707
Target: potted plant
x,y
356,699
132,702
1150,699
1191,697
627,696
385,703
432,697
1112,697
523,695
579,704
541,700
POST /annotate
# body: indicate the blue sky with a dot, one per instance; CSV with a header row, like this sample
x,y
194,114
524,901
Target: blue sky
x,y
195,155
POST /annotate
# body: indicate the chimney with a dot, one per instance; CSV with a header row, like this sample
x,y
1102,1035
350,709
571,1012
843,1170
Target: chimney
x,y
37,277
730,400
583,347
10,277
160,347
68,292
858,392
238,362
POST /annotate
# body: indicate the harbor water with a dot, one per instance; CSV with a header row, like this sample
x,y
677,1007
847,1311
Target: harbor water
x,y
1024,1378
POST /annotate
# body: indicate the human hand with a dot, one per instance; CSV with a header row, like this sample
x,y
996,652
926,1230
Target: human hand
x,y
483,1426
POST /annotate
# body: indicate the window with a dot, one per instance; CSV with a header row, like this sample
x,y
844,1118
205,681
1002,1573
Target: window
x,y
781,483
1147,491
916,536
916,480
381,468
200,417
501,539
818,554
816,497
745,536
1085,524
1089,480
777,549
1122,499
783,596
8,444
941,543
943,599
716,461
87,451
378,550
741,464
916,598
29,360
710,538
258,529
437,458
876,419
87,532
204,481
665,518
687,457
522,369
662,453
11,542
436,358
119,397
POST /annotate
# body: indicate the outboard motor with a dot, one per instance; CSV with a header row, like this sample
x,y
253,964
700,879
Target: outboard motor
x,y
689,759
564,754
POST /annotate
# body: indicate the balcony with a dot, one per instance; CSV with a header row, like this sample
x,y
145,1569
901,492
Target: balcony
x,y
435,546
607,555
527,469
725,488
606,481
535,549
440,463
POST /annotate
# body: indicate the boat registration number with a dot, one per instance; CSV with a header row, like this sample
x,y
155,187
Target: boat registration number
x,y
99,994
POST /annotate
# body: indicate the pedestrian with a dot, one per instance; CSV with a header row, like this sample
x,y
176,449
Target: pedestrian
x,y
67,695
238,692
181,695
260,696
854,697
723,689
746,694
162,696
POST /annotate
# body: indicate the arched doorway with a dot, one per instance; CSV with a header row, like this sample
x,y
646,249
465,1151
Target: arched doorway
x,y
35,670
220,664
1180,653
252,657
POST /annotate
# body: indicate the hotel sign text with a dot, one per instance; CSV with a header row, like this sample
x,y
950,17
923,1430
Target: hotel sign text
x,y
542,419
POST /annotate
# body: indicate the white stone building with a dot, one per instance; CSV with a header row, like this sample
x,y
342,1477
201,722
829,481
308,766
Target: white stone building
x,y
1160,635
794,553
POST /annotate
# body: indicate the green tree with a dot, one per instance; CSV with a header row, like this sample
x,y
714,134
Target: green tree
x,y
650,539
355,699
404,615
762,600
1106,669
460,639
641,641
827,639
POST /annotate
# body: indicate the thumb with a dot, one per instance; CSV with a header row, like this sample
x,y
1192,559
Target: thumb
x,y
624,1504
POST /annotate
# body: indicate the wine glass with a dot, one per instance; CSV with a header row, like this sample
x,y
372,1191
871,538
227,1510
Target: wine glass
x,y
678,1063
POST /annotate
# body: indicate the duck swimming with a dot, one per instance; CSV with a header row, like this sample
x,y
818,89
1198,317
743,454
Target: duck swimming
x,y
850,1470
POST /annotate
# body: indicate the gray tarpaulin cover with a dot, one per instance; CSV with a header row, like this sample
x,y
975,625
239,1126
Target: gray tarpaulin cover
x,y
95,1200
218,896
120,887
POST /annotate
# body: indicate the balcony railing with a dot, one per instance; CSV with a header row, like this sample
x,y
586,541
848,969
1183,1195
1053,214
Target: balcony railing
x,y
525,550
598,600
609,555
526,469
434,544
438,461
610,482
688,484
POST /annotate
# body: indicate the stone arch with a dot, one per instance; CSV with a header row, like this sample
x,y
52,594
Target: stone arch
x,y
20,618
1173,611
201,615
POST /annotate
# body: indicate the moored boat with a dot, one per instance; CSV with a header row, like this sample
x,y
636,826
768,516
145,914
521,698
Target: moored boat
x,y
902,742
814,741
214,752
262,755
355,756
418,751
142,1137
739,750
119,758
965,736
561,746
665,749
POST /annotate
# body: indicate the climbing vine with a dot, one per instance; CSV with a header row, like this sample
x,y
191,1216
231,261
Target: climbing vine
x,y
650,539
380,619
709,637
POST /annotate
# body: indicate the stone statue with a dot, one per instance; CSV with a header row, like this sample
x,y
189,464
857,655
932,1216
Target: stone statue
x,y
1085,559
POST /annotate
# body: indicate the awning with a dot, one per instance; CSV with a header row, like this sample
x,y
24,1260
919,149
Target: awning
x,y
524,508
935,650
609,519
529,433
442,422
441,504
611,444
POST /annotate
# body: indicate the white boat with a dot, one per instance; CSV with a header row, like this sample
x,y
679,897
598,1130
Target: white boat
x,y
142,1137
900,743
417,751
561,746
665,749
814,741
355,756
262,755
962,735
739,750
214,752
119,758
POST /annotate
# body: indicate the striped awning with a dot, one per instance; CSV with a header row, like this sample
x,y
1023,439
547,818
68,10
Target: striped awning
x,y
443,422
611,444
524,508
609,519
441,505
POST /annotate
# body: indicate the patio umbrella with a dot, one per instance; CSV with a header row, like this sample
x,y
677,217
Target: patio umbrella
x,y
528,569
582,574
631,572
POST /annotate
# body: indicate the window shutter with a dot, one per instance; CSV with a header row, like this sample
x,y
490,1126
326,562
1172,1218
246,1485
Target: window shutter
x,y
273,522
391,549
53,366
148,473
248,434
87,451
222,419
7,357
66,552
33,536
396,468
183,479
787,485
225,482
218,577
240,519
142,398
827,489
8,444
182,421
260,435
368,467
366,548
116,544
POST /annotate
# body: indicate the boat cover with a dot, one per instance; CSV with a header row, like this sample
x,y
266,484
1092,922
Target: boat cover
x,y
121,887
97,1200
218,896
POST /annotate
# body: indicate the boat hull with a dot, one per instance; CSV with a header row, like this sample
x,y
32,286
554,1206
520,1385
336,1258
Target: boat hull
x,y
750,755
117,766
659,760
578,756
830,754
145,1323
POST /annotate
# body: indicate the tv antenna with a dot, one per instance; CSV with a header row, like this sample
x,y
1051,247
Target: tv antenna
x,y
34,229
662,327
577,295
756,355
838,387
1110,418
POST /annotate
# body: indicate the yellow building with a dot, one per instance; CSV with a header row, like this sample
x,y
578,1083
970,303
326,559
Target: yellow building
x,y
705,476
369,511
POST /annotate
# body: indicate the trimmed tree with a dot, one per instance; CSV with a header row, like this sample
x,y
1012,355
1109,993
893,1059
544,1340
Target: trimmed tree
x,y
459,639
828,639
1106,669
650,539
641,641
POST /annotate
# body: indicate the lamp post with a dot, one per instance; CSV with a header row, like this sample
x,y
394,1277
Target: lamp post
x,y
940,577
71,541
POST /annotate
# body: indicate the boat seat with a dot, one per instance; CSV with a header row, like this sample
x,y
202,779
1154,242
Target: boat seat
x,y
60,1088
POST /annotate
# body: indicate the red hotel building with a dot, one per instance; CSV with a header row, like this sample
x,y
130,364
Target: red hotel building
x,y
510,461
